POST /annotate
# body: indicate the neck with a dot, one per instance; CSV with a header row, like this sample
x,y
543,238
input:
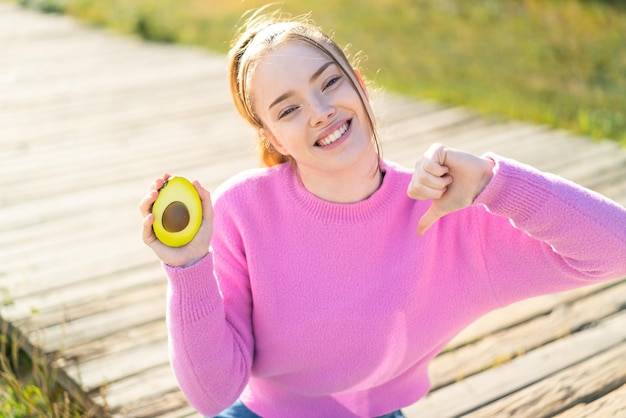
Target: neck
x,y
347,186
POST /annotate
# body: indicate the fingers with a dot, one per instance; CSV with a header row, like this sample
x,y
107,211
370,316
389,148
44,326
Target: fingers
x,y
434,168
430,217
158,183
426,186
431,178
437,154
147,231
145,208
146,203
205,198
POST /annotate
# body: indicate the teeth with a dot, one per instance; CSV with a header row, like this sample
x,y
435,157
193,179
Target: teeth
x,y
334,136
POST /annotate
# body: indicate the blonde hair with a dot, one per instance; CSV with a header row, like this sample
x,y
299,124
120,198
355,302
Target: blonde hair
x,y
264,32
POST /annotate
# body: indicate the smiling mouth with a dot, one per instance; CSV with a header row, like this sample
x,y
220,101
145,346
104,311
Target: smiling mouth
x,y
333,136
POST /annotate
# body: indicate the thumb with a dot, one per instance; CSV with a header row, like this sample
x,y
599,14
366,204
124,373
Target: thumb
x,y
428,219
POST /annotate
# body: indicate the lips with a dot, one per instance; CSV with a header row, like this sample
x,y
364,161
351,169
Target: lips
x,y
333,136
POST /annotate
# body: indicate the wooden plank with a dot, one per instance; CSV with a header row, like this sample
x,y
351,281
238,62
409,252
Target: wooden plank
x,y
136,86
93,199
172,404
92,327
99,372
47,253
479,390
500,141
107,350
131,94
108,303
97,50
107,257
119,167
138,389
477,139
555,150
179,86
453,135
119,341
23,23
523,311
393,108
65,230
185,412
580,383
128,156
56,306
419,124
502,346
88,380
72,91
21,136
604,165
613,404
406,150
616,189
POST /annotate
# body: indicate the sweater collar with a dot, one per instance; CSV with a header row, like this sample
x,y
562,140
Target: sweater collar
x,y
345,213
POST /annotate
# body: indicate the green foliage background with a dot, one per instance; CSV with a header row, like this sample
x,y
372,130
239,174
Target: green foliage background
x,y
555,62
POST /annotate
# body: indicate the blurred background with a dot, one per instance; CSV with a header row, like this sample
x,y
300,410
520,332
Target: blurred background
x,y
555,62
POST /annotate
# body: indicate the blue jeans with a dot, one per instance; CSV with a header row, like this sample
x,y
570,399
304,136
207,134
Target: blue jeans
x,y
239,410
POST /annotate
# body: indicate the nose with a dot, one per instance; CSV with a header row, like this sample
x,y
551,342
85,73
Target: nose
x,y
320,110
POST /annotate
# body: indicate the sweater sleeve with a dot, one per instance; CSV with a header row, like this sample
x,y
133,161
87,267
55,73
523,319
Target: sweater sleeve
x,y
551,235
208,317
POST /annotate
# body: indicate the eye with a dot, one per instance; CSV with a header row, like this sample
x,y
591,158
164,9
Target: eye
x,y
333,80
287,112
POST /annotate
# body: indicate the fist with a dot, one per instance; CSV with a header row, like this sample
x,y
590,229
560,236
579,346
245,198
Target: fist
x,y
451,178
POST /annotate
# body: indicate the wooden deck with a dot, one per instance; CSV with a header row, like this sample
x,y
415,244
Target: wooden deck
x,y
89,118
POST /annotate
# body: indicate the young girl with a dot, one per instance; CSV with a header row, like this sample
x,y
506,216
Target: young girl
x,y
308,291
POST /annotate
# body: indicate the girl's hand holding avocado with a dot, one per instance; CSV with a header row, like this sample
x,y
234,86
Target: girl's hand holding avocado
x,y
178,220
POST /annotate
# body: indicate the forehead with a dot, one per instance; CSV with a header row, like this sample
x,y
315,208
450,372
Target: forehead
x,y
285,69
295,58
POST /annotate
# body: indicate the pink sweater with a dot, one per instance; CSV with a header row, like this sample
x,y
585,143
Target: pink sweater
x,y
307,308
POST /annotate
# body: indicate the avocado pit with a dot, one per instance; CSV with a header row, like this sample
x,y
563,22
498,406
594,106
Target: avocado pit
x,y
175,217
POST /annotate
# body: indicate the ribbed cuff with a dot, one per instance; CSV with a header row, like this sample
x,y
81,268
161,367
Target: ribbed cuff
x,y
193,290
516,191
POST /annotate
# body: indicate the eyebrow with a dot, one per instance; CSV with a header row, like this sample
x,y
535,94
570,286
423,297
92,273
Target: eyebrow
x,y
315,75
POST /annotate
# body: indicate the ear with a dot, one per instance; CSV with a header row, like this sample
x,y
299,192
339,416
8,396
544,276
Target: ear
x,y
361,81
268,138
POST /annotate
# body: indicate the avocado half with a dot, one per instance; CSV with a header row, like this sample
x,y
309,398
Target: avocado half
x,y
177,212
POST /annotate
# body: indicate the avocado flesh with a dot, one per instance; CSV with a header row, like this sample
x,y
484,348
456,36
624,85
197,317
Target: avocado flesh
x,y
177,212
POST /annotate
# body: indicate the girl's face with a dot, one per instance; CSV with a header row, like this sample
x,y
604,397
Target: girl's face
x,y
311,111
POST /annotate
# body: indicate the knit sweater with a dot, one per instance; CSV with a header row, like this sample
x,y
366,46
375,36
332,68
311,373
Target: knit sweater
x,y
307,308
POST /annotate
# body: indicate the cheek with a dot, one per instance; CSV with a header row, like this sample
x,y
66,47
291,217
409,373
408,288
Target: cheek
x,y
363,115
283,138
352,99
